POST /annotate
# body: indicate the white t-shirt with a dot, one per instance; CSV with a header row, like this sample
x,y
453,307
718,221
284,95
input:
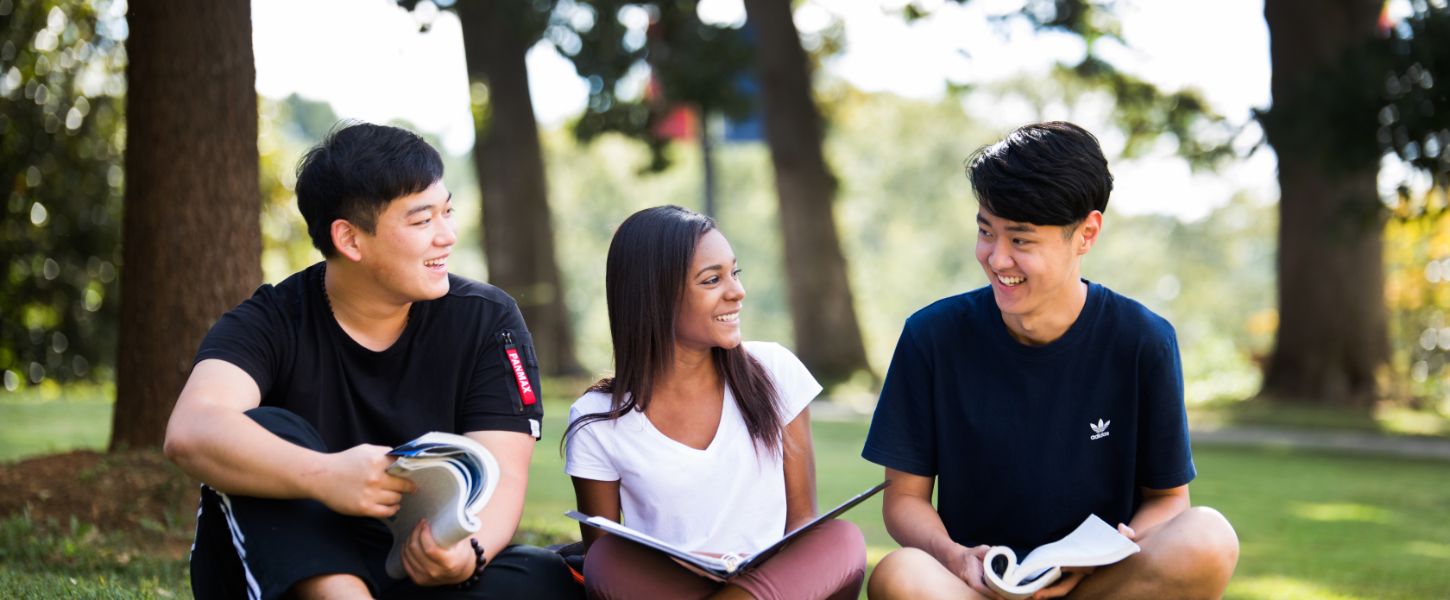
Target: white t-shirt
x,y
728,497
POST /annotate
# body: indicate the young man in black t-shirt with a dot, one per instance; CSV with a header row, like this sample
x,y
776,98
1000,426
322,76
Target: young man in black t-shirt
x,y
1039,400
298,393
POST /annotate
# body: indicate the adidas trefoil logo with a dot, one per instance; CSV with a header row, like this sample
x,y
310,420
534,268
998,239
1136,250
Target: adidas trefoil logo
x,y
1100,429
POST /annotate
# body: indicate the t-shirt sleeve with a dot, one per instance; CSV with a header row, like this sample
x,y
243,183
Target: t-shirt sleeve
x,y
251,336
793,381
1165,458
902,436
584,454
503,392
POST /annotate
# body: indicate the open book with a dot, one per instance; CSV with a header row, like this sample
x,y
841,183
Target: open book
x,y
1094,543
455,477
728,566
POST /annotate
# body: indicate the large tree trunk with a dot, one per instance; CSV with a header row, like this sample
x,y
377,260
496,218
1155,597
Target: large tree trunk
x,y
827,336
518,239
1331,339
192,242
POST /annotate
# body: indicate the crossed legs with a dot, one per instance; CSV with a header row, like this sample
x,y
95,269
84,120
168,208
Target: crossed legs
x,y
1190,556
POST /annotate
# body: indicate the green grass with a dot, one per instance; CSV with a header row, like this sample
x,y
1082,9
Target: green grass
x,y
44,423
78,560
1311,525
1386,418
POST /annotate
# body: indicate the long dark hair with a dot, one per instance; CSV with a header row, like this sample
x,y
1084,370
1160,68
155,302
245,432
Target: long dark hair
x,y
644,278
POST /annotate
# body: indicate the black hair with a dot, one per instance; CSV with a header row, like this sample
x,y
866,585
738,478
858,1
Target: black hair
x,y
645,276
356,171
1051,173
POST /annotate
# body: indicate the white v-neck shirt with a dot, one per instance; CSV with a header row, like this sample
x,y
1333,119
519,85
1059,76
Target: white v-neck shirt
x,y
729,497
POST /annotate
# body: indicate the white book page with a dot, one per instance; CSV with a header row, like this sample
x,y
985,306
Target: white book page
x,y
1092,544
720,564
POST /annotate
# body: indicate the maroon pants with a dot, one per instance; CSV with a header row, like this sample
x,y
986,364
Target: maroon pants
x,y
827,562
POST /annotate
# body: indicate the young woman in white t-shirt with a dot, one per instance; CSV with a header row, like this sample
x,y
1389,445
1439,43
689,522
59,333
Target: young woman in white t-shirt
x,y
699,439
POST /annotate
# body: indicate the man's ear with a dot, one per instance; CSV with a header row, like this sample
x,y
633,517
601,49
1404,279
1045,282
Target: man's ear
x,y
345,239
1090,228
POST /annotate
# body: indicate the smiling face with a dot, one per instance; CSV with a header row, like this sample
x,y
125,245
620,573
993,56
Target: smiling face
x,y
407,252
1034,269
709,314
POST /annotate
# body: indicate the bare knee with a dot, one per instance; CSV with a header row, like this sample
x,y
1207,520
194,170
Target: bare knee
x,y
336,585
912,573
1217,542
896,575
1202,555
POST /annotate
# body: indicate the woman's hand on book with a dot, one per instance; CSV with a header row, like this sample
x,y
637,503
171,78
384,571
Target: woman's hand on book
x,y
429,564
355,482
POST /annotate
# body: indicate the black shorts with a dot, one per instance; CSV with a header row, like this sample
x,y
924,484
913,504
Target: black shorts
x,y
259,547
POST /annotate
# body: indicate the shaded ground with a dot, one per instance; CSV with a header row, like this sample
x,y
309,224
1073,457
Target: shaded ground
x,y
138,496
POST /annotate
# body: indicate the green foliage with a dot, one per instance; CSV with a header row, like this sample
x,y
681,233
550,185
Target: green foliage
x,y
1144,114
1382,98
1417,289
1415,119
61,136
1142,111
692,64
286,129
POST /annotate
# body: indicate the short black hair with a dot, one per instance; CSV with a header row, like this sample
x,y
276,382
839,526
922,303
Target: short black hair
x,y
1051,173
356,171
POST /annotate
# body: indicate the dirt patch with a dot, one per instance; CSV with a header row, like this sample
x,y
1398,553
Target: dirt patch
x,y
138,495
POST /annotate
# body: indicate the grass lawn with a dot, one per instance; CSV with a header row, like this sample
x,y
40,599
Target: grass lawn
x,y
1311,525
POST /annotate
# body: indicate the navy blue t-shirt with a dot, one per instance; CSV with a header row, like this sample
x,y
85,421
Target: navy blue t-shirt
x,y
1026,441
449,370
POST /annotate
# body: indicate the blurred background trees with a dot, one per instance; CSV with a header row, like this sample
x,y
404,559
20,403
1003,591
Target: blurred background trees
x,y
1349,88
518,231
1337,293
62,132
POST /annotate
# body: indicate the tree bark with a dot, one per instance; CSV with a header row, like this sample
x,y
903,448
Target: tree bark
x,y
518,237
192,240
827,336
1332,337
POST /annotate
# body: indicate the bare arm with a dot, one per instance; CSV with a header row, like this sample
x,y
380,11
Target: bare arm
x,y
800,471
596,499
1159,506
911,519
211,439
501,515
913,522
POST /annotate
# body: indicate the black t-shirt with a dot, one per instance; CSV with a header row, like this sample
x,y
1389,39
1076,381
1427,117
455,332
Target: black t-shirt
x,y
1026,441
451,370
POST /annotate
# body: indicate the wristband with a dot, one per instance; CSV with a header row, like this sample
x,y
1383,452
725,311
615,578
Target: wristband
x,y
479,562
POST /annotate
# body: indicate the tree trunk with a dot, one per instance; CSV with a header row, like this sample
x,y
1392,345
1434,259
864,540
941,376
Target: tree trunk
x,y
827,336
1332,337
192,240
518,238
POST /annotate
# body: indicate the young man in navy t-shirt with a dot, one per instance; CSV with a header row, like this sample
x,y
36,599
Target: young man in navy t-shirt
x,y
1039,400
